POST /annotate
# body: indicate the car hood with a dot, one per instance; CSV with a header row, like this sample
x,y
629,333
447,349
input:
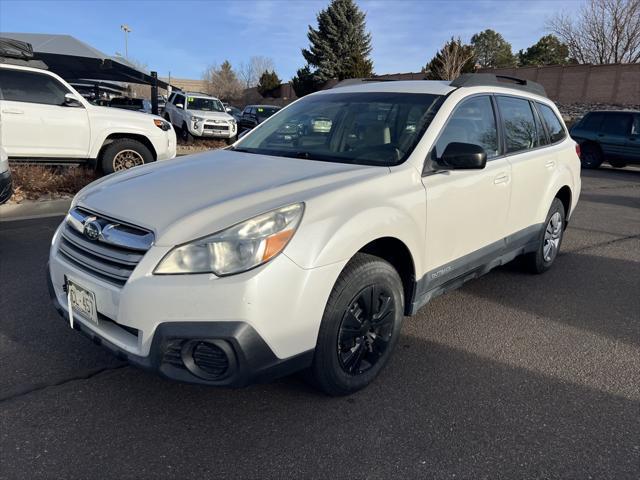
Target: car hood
x,y
210,115
124,113
201,194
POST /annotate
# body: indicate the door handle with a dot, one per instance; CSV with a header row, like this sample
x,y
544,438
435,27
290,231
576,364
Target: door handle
x,y
13,111
501,178
550,164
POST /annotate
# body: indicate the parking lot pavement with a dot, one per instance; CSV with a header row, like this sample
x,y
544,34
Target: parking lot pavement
x,y
512,376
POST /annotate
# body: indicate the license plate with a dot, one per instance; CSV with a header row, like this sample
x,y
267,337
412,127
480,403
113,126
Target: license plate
x,y
82,301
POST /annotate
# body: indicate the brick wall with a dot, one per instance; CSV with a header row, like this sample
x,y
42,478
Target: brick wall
x,y
615,84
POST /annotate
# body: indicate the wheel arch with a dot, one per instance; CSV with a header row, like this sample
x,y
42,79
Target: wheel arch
x,y
396,252
133,136
564,195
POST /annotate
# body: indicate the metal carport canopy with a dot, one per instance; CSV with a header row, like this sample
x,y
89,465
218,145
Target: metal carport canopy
x,y
74,60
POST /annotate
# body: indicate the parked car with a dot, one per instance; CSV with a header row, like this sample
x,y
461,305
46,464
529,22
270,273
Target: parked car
x,y
253,115
6,186
236,113
44,118
200,115
133,104
271,257
612,136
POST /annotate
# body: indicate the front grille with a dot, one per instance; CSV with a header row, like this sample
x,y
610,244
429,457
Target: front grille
x,y
216,127
112,255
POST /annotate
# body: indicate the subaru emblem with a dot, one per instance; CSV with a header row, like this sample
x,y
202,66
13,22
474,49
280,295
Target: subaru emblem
x,y
92,230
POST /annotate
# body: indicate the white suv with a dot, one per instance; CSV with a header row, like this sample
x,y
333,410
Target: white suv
x,y
200,115
44,119
305,249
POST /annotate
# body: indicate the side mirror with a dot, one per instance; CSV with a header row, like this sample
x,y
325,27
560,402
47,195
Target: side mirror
x,y
463,156
228,110
70,100
180,106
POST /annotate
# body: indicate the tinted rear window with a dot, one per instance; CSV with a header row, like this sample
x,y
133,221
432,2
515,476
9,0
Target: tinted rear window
x,y
617,123
592,121
552,122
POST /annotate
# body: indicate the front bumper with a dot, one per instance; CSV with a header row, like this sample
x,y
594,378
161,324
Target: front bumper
x,y
267,318
249,359
6,186
208,129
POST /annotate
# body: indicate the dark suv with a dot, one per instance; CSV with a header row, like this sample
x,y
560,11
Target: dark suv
x,y
613,136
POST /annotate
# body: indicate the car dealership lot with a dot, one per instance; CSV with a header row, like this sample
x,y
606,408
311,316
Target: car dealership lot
x,y
512,376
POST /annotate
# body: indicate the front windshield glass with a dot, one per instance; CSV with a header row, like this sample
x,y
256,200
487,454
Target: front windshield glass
x,y
265,112
360,128
204,104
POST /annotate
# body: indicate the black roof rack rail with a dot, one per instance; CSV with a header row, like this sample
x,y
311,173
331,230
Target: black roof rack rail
x,y
493,80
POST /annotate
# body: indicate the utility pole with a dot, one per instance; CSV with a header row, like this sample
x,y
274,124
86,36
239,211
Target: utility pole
x,y
126,29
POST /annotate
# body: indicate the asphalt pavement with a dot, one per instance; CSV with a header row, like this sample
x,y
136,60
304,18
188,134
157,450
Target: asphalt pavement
x,y
512,376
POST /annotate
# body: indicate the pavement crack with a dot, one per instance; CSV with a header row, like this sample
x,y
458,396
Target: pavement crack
x,y
602,244
85,375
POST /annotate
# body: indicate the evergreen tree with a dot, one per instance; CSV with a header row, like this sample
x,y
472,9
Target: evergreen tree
x,y
304,82
268,81
492,50
340,46
547,51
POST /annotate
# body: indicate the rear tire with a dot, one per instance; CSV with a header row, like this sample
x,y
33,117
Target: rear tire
x,y
360,326
590,156
123,154
549,241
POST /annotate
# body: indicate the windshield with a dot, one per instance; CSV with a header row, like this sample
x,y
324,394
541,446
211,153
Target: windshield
x,y
360,128
204,104
265,112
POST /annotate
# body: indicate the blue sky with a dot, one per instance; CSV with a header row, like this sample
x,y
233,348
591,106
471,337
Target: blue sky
x,y
183,37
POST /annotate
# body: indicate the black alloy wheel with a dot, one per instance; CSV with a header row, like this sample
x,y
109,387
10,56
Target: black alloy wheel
x,y
366,328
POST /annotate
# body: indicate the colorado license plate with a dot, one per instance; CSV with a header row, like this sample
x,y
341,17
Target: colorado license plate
x,y
82,301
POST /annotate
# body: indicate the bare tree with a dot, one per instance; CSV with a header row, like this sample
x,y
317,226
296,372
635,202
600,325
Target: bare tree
x,y
453,59
603,31
251,71
222,82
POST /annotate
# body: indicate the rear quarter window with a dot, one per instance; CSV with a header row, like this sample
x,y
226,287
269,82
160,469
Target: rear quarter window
x,y
552,122
617,123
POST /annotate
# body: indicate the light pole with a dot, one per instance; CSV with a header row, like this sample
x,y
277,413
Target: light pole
x,y
126,29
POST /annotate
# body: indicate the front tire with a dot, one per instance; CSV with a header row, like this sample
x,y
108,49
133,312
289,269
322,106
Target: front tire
x,y
360,326
549,240
231,140
123,154
185,134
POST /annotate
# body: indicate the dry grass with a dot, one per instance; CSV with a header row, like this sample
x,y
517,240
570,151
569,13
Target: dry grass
x,y
32,182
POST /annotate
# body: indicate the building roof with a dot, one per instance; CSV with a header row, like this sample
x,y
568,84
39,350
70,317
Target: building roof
x,y
74,60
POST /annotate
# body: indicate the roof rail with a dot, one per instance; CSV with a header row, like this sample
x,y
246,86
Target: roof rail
x,y
355,81
493,80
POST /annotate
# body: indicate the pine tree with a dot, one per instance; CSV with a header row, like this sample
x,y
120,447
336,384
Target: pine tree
x,y
268,81
304,82
340,46
547,51
492,50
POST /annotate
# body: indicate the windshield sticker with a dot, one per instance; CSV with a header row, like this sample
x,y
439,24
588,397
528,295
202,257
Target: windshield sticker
x,y
261,109
190,99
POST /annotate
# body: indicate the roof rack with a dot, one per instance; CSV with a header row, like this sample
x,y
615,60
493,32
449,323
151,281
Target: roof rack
x,y
493,80
15,52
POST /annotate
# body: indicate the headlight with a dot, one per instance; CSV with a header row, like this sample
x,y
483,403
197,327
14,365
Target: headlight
x,y
197,119
238,248
161,124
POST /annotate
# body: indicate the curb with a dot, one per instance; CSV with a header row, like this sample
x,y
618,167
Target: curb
x,y
30,209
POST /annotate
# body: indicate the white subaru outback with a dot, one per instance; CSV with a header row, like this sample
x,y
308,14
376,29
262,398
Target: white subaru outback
x,y
305,250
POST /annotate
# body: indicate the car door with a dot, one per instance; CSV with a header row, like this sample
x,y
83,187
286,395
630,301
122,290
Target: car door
x,y
466,209
35,120
633,142
177,110
615,133
533,161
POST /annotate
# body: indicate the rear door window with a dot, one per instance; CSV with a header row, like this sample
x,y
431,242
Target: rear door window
x,y
592,122
617,124
552,122
31,87
518,123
